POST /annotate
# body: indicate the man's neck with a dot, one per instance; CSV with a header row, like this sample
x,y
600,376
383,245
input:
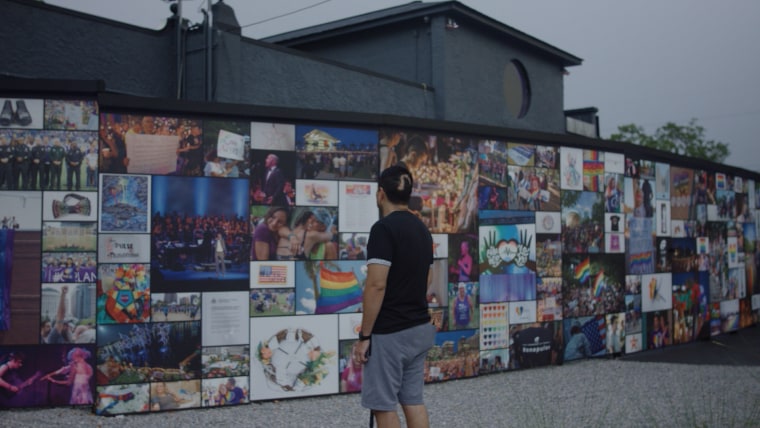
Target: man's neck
x,y
391,208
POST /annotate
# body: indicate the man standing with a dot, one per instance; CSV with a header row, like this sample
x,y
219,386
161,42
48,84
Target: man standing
x,y
15,361
6,163
221,251
22,154
74,166
34,168
234,393
57,153
396,332
274,182
190,152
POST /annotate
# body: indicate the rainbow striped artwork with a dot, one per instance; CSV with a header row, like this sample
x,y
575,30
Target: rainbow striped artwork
x,y
337,290
593,170
583,270
599,283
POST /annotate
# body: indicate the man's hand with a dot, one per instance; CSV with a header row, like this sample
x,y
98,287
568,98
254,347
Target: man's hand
x,y
360,351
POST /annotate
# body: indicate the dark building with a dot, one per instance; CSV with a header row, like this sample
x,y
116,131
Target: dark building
x,y
442,61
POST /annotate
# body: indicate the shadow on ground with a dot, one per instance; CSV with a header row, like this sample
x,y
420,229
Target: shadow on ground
x,y
740,348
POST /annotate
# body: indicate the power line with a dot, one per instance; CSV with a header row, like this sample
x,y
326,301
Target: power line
x,y
285,14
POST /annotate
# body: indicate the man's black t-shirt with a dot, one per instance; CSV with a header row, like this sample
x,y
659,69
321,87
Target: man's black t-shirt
x,y
402,242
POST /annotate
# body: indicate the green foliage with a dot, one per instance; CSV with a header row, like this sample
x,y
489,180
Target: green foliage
x,y
686,140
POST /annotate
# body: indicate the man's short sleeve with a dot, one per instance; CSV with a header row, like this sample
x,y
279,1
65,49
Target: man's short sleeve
x,y
380,245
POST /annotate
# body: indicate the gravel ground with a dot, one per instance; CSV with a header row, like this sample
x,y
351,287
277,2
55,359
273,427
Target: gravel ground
x,y
592,393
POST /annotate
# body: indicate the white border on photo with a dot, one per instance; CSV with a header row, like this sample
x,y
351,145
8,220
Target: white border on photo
x,y
349,326
315,197
662,214
548,222
49,199
751,201
522,312
324,329
662,181
738,184
609,224
283,276
357,208
571,177
35,107
225,318
440,245
614,243
148,212
614,162
656,292
123,248
273,136
25,207
755,302
678,228
633,343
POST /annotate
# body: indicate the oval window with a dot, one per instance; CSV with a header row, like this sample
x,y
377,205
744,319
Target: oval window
x,y
516,89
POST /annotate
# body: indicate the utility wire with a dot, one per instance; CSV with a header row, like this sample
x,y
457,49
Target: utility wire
x,y
285,14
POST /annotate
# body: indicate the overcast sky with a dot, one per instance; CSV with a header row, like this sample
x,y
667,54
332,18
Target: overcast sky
x,y
646,62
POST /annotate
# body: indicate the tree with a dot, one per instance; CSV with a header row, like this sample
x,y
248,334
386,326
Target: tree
x,y
686,140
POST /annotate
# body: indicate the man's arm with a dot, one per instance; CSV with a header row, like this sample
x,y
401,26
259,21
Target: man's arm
x,y
61,312
372,300
3,383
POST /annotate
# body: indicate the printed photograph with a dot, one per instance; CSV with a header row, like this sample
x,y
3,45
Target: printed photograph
x,y
549,299
227,391
535,345
350,370
21,211
200,242
273,136
445,177
592,285
294,357
226,361
60,376
582,222
67,314
454,355
464,305
494,326
153,145
273,178
125,203
123,293
136,353
585,337
69,267
183,394
593,171
267,302
58,236
70,206
493,185
175,306
329,287
71,115
336,153
50,160
226,149
112,400
463,255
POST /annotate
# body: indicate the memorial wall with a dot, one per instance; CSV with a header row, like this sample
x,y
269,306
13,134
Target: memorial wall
x,y
154,260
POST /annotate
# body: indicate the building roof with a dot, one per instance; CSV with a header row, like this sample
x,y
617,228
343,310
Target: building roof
x,y
414,10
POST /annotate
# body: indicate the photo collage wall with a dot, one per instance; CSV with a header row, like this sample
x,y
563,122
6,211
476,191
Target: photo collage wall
x,y
190,262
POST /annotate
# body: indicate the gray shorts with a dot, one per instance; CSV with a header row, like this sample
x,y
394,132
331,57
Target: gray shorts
x,y
395,372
